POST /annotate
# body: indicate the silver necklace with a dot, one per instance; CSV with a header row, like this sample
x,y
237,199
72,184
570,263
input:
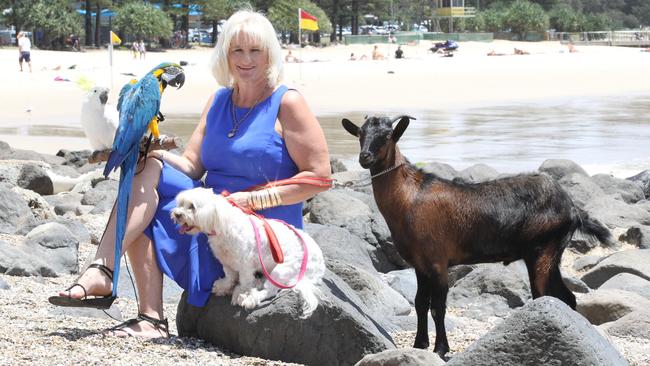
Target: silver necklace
x,y
237,122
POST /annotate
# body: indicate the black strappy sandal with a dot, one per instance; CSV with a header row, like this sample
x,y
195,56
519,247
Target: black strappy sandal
x,y
160,325
97,302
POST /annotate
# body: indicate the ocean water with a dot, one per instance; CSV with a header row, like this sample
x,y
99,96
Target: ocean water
x,y
604,135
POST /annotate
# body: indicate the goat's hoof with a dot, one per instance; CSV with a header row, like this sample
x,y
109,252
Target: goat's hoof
x,y
441,351
421,344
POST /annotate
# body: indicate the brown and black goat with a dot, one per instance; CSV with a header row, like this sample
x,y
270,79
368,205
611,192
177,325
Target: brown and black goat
x,y
437,223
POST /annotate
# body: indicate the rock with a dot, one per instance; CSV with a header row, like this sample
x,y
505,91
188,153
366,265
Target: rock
x,y
35,178
614,213
337,166
628,282
625,190
637,235
636,262
643,178
56,243
16,261
74,158
490,290
4,285
339,209
409,323
544,331
41,209
586,262
338,244
633,325
358,180
273,330
402,356
14,211
603,305
404,282
102,196
457,272
560,168
575,285
478,173
581,188
375,294
441,170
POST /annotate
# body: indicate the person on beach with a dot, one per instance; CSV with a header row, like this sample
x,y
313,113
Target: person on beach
x,y
376,55
252,131
24,51
135,47
399,53
142,49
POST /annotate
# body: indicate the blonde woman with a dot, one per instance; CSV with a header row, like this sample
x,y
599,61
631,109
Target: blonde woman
x,y
251,131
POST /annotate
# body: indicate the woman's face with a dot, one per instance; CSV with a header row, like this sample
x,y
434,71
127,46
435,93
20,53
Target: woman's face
x,y
247,61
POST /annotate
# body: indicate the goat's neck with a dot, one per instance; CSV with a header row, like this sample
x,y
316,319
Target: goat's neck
x,y
392,188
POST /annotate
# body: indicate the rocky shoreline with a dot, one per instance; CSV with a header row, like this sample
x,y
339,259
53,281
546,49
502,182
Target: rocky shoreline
x,y
50,225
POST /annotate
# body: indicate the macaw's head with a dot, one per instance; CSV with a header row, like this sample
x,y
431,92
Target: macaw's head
x,y
170,74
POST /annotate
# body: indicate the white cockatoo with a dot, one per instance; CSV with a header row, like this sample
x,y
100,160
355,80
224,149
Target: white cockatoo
x,y
99,119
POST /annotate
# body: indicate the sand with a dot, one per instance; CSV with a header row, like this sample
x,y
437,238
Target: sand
x,y
331,83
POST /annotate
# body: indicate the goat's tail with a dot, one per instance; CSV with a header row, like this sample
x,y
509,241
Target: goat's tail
x,y
309,292
592,227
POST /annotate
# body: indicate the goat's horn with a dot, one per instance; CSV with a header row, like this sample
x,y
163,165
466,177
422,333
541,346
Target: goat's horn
x,y
400,117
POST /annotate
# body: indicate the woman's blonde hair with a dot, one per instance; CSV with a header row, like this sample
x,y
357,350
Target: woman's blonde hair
x,y
256,26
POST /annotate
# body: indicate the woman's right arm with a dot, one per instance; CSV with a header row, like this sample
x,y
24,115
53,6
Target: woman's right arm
x,y
190,162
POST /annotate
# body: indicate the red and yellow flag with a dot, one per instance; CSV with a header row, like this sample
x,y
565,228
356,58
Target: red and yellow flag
x,y
308,21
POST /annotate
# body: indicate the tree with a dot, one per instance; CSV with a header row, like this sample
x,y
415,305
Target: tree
x,y
55,19
143,21
564,19
524,16
284,16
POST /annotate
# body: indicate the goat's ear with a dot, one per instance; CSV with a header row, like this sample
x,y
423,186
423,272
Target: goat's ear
x,y
350,127
401,126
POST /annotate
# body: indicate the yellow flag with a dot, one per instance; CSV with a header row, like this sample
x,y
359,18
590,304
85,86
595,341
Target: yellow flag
x,y
115,39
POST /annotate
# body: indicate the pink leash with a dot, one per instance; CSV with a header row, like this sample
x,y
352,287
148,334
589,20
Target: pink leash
x,y
303,265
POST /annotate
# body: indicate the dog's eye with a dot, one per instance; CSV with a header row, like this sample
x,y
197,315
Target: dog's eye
x,y
191,206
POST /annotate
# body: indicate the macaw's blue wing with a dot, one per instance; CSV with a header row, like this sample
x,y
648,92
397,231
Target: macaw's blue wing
x,y
138,105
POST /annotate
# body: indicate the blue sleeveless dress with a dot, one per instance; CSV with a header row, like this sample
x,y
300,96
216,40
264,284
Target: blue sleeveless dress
x,y
256,155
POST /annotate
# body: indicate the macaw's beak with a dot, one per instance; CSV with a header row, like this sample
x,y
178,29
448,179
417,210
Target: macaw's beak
x,y
103,96
173,76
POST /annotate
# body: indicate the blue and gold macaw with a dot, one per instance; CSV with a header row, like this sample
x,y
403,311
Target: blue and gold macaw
x,y
139,107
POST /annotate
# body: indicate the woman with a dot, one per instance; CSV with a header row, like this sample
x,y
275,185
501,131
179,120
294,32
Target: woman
x,y
251,132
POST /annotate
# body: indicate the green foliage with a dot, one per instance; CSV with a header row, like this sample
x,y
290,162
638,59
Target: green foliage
x,y
284,15
524,16
56,19
564,19
491,20
143,21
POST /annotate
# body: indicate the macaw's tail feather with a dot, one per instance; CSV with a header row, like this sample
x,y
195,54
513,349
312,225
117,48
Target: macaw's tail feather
x,y
114,160
123,196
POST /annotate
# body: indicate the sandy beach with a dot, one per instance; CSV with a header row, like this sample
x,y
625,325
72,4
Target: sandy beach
x,y
330,82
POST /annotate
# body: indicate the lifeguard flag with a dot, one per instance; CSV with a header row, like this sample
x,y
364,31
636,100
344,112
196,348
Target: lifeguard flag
x,y
115,39
308,21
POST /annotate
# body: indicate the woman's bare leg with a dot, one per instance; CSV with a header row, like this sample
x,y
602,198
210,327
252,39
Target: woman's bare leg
x,y
148,280
142,207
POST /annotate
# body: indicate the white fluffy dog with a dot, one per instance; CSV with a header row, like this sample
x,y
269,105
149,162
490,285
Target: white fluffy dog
x,y
232,240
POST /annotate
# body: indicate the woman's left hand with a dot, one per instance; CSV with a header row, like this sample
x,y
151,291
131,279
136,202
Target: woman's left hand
x,y
240,199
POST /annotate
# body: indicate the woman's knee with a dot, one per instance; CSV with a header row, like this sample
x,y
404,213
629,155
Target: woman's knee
x,y
149,172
